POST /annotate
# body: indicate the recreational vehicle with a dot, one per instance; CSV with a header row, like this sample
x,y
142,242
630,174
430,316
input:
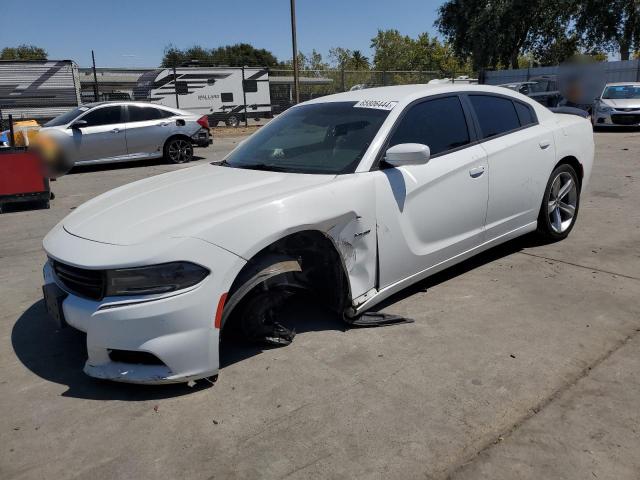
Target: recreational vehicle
x,y
38,89
222,93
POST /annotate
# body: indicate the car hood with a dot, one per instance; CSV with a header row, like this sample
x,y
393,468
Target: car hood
x,y
182,203
622,103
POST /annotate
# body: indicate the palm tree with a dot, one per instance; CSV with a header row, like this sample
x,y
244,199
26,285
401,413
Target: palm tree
x,y
359,61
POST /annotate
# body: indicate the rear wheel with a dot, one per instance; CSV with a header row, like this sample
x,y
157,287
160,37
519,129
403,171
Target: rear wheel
x,y
560,204
232,121
178,150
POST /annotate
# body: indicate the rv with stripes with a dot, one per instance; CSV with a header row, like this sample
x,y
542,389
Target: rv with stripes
x,y
38,89
226,94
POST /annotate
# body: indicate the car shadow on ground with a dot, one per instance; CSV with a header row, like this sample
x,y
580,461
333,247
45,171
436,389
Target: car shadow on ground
x,y
59,355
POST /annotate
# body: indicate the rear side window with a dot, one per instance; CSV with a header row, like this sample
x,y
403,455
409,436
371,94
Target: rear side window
x,y
440,124
226,97
525,114
103,116
142,114
496,115
540,86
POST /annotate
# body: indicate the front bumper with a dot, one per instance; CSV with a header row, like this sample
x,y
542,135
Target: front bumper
x,y
176,328
617,119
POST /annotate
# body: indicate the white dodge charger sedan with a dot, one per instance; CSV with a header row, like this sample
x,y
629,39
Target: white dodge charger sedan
x,y
352,197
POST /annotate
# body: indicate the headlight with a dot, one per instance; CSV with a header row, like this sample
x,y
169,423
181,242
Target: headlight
x,y
163,278
604,109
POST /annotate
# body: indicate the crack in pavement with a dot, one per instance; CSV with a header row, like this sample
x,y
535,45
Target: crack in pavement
x,y
533,411
593,269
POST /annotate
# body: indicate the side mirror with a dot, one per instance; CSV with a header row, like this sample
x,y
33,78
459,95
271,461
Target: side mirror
x,y
79,124
407,154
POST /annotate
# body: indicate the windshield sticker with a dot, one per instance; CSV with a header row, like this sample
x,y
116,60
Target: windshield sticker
x,y
379,104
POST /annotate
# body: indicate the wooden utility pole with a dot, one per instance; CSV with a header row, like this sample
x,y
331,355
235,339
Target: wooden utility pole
x,y
296,83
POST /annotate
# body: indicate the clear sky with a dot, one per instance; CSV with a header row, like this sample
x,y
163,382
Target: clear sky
x,y
134,33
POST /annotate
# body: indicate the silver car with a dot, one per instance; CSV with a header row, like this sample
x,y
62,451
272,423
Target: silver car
x,y
124,131
618,105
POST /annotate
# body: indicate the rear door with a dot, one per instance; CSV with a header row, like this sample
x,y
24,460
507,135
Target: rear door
x,y
519,150
103,137
147,129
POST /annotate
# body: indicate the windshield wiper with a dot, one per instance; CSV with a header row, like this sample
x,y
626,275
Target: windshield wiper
x,y
262,166
223,163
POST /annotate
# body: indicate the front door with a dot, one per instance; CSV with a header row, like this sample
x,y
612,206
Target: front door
x,y
430,213
103,136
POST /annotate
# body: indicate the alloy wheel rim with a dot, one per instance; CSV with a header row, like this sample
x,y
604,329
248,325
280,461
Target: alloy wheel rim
x,y
562,203
180,151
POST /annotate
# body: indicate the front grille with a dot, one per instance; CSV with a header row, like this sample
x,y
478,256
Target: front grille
x,y
625,119
85,283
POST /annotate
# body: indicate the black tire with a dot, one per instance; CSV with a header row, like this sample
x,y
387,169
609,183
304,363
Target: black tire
x,y
232,121
555,220
178,150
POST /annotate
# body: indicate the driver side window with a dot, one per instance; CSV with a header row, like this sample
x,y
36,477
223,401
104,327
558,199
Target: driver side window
x,y
440,124
103,116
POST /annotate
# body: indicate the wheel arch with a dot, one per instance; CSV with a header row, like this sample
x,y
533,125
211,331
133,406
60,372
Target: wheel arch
x,y
574,163
320,268
174,136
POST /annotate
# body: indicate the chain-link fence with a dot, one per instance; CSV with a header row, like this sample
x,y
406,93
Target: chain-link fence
x,y
227,95
317,83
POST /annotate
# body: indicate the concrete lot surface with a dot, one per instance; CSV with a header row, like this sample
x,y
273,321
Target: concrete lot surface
x,y
522,363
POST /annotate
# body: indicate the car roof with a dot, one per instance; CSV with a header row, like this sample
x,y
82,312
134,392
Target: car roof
x,y
177,111
621,84
128,102
402,93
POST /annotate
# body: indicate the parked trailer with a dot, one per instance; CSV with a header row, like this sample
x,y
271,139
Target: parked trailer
x,y
216,92
38,89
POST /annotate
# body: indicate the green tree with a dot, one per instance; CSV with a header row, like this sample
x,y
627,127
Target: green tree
x,y
359,61
23,52
496,33
239,55
554,50
340,57
315,61
394,51
609,25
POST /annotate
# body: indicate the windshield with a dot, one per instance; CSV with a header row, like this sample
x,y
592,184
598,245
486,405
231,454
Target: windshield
x,y
622,92
66,117
327,138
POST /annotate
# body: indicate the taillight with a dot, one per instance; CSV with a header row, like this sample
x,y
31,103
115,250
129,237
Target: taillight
x,y
203,121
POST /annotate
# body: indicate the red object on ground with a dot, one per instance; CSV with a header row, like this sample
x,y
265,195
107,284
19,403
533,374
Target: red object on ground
x,y
21,177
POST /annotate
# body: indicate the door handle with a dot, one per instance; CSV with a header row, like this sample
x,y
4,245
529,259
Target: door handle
x,y
164,124
116,130
476,171
544,144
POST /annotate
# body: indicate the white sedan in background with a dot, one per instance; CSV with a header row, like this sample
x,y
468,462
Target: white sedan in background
x,y
617,106
353,197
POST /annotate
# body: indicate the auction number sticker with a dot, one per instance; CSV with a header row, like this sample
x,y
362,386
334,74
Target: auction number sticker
x,y
379,104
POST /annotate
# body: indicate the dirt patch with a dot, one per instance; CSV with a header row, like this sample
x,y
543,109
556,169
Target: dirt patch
x,y
233,131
